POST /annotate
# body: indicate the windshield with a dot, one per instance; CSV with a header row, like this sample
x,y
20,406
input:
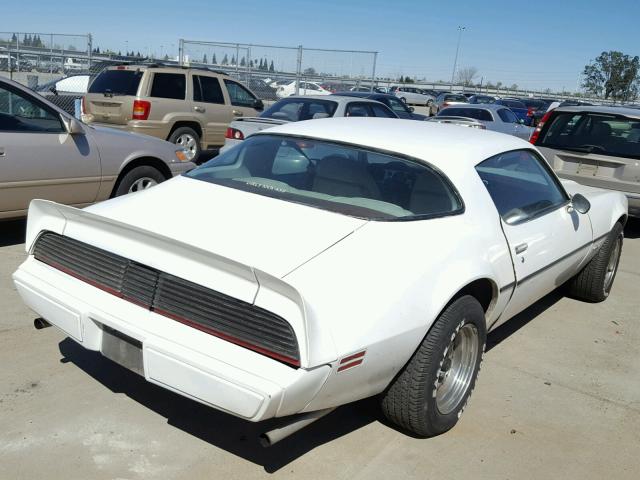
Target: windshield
x,y
296,109
349,180
593,133
117,82
455,98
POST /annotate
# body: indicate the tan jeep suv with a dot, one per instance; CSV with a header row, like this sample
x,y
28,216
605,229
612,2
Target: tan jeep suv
x,y
188,106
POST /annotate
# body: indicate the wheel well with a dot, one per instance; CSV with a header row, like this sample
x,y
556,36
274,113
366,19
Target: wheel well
x,y
623,220
193,125
482,289
148,161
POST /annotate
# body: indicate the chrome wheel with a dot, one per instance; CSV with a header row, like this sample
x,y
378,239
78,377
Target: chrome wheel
x,y
142,184
189,143
456,372
612,265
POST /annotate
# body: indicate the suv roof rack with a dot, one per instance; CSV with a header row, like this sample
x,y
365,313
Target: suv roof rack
x,y
170,65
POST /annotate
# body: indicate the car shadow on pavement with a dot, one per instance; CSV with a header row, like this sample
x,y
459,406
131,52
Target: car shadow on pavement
x,y
12,232
632,228
221,430
511,326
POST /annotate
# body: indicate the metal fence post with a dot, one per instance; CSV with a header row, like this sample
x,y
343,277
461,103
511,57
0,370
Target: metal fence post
x,y
237,60
181,52
90,46
298,69
248,66
373,72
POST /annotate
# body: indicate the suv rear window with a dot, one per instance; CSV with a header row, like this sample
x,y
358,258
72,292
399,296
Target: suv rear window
x,y
598,133
117,82
341,178
168,85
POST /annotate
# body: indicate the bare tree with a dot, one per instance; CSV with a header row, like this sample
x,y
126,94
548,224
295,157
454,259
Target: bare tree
x,y
466,75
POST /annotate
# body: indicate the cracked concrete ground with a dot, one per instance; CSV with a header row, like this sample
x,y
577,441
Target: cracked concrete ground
x,y
558,397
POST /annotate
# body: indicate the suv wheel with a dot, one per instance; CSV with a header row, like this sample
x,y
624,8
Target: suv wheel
x,y
188,139
139,178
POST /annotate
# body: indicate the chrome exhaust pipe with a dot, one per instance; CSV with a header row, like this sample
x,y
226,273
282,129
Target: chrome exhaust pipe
x,y
40,323
274,436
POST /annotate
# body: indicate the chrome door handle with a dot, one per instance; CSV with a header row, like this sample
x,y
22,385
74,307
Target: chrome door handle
x,y
237,113
521,248
2,154
199,109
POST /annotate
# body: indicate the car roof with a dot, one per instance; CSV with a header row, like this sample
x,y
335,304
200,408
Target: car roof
x,y
363,94
452,149
335,98
160,66
626,111
478,106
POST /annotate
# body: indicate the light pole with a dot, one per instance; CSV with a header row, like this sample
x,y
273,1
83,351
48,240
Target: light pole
x,y
455,60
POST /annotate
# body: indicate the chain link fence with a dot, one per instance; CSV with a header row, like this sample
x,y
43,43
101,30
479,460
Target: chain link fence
x,y
273,72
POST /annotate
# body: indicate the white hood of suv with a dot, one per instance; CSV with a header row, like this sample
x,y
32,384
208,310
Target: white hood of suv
x,y
272,235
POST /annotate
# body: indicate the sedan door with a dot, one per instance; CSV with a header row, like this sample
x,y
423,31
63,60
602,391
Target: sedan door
x,y
547,238
39,159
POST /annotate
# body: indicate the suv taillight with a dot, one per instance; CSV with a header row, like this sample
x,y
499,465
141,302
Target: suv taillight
x,y
536,133
141,109
234,134
83,108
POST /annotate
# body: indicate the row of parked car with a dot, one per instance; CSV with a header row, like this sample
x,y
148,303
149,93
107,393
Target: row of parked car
x,y
200,109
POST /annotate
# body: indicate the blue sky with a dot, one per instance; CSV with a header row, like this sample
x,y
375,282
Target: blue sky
x,y
535,44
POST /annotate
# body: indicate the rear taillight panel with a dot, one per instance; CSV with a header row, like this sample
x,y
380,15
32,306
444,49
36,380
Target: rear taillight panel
x,y
234,134
141,110
536,133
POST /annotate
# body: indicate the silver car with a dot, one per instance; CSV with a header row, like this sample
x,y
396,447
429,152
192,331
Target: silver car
x,y
46,153
413,96
595,146
446,99
488,117
307,107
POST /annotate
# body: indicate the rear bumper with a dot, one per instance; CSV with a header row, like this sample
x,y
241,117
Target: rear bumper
x,y
155,129
176,357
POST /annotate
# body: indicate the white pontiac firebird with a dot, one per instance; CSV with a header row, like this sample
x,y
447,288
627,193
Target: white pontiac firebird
x,y
322,262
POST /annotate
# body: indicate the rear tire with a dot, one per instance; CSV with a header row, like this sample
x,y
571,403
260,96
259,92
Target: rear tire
x,y
594,282
139,178
404,100
428,396
187,138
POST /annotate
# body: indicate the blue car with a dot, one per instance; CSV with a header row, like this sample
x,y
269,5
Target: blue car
x,y
517,107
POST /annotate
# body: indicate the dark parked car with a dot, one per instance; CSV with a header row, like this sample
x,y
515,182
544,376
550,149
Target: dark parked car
x,y
394,103
485,99
536,107
517,107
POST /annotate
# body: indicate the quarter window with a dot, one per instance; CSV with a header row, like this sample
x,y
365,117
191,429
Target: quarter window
x,y
381,111
357,110
19,113
168,85
207,89
507,115
520,185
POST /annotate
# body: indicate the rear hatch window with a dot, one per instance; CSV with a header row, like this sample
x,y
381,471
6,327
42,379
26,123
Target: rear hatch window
x,y
110,96
117,82
476,113
594,133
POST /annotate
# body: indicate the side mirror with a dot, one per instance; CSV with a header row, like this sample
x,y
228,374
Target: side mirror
x,y
411,109
580,203
73,126
521,121
53,90
258,104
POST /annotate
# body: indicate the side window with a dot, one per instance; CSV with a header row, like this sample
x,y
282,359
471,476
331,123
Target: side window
x,y
397,106
168,85
207,89
507,115
239,95
312,86
521,185
357,110
381,111
19,113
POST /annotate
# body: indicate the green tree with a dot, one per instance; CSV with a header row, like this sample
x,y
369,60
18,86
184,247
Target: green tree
x,y
260,66
14,38
271,67
214,60
166,57
243,62
612,74
225,60
401,79
309,71
233,59
514,86
204,58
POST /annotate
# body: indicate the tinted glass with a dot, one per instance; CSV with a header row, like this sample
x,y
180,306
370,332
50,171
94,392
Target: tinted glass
x,y
477,113
520,185
117,82
455,98
207,89
593,133
239,95
357,110
482,99
19,113
168,85
295,110
507,115
381,111
512,104
345,179
396,105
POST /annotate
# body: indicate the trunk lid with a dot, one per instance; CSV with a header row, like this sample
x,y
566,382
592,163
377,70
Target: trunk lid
x,y
111,95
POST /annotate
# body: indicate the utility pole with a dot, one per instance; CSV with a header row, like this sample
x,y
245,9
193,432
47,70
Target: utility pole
x,y
455,60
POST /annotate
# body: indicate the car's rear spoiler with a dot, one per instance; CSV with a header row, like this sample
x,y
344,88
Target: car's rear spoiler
x,y
462,121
